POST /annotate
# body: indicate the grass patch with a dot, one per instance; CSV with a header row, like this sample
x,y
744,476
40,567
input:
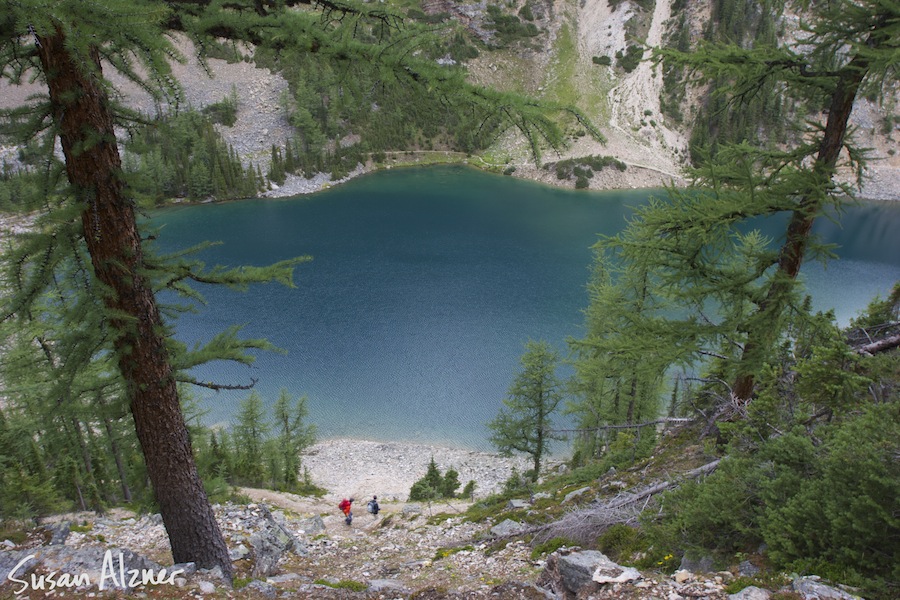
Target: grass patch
x,y
563,88
13,531
343,584
443,553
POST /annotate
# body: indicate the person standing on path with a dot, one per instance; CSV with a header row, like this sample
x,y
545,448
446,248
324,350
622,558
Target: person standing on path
x,y
373,506
346,507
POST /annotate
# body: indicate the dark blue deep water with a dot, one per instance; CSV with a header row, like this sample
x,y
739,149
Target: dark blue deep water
x,y
425,284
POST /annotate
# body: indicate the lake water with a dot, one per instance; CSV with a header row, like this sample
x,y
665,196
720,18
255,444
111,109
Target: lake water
x,y
425,284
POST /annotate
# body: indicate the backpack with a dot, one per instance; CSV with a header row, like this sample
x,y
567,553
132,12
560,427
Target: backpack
x,y
372,507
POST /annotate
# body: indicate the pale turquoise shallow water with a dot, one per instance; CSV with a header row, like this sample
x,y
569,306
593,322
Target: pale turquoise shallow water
x,y
425,284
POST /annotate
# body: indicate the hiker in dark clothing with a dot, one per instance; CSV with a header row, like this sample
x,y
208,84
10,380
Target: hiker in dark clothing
x,y
373,506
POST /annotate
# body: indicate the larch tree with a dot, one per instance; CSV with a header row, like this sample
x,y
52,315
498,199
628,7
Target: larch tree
x,y
525,422
735,287
628,345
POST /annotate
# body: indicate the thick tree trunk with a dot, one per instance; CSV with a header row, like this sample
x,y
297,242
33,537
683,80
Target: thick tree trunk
x,y
82,114
799,228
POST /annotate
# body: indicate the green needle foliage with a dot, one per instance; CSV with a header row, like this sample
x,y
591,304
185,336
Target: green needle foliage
x,y
524,424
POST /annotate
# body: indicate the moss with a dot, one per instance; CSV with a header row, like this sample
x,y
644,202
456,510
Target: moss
x,y
343,584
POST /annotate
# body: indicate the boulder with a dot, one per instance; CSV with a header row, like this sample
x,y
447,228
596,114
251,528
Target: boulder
x,y
576,493
517,504
59,532
748,569
239,552
96,564
704,564
266,590
682,576
269,542
610,572
811,589
751,593
577,570
312,525
507,527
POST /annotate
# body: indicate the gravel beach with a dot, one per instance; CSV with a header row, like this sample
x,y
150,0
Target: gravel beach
x,y
360,468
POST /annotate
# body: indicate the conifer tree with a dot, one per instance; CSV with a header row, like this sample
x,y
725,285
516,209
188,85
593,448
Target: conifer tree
x,y
294,436
621,361
697,243
524,423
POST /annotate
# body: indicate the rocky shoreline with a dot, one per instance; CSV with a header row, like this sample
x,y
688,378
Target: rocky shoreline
x,y
361,468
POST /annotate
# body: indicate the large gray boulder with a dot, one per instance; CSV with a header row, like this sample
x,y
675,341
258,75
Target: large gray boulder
x,y
580,573
83,567
312,525
269,542
507,527
810,588
751,593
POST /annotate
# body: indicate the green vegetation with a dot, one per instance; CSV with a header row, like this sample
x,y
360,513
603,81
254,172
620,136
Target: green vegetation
x,y
185,157
443,553
630,59
764,110
524,423
93,347
435,486
343,584
583,168
551,546
509,29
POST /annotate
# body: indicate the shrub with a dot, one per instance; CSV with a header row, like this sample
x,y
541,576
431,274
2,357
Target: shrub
x,y
551,546
620,542
434,485
629,61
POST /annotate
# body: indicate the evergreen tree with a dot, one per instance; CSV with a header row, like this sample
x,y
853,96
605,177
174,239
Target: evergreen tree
x,y
294,436
697,243
249,433
621,362
525,421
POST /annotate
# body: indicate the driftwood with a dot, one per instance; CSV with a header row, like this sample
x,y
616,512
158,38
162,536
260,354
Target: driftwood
x,y
585,524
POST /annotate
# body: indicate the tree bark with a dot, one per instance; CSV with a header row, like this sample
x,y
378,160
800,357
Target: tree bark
x,y
83,116
799,228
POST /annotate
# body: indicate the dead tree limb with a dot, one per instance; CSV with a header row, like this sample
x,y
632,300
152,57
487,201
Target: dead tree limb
x,y
585,524
634,426
881,345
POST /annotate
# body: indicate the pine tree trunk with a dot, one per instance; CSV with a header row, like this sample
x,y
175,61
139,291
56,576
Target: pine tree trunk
x,y
82,114
799,228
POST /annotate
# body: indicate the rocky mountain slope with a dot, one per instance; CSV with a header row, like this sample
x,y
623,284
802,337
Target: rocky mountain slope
x,y
284,546
557,66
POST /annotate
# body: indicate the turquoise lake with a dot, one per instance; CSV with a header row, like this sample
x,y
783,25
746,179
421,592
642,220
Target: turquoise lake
x,y
425,284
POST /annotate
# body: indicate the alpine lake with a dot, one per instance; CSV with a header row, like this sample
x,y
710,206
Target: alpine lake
x,y
425,283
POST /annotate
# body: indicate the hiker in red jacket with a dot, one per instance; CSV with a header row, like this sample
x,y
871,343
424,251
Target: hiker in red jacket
x,y
346,506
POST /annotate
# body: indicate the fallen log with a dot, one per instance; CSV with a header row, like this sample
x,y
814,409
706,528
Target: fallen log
x,y
585,524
